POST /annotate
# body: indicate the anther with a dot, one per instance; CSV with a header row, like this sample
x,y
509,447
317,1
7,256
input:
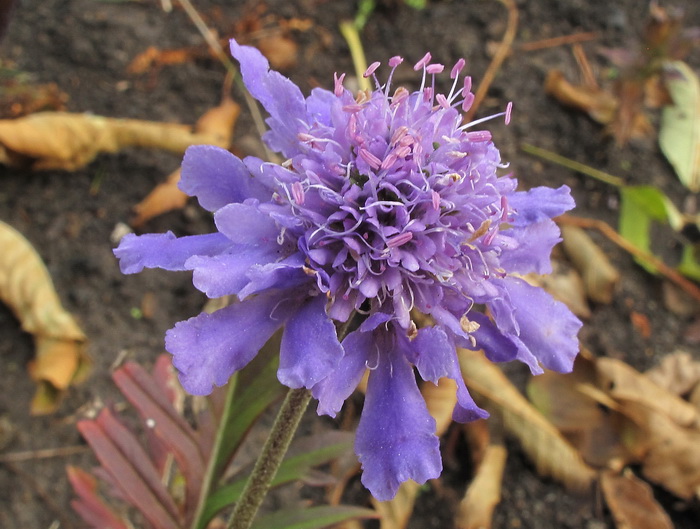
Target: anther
x,y
421,64
372,68
458,67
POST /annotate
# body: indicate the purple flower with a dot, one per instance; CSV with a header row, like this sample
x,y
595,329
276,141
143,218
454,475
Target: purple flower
x,y
387,203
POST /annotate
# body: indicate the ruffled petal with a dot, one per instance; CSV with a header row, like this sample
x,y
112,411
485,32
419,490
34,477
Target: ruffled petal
x,y
281,98
540,203
396,438
246,224
534,249
226,273
435,357
496,346
209,348
164,250
284,274
217,177
548,329
333,390
310,348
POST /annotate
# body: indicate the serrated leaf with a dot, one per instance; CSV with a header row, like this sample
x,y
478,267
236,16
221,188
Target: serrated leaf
x,y
552,454
679,136
297,465
311,518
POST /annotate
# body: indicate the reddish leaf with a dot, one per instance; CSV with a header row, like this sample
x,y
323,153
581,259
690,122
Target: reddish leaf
x,y
123,457
141,390
90,506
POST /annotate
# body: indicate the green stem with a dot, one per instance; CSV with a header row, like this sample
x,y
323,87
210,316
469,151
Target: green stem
x,y
217,447
268,462
352,36
573,165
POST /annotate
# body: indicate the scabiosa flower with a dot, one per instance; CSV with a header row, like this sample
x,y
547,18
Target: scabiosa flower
x,y
386,204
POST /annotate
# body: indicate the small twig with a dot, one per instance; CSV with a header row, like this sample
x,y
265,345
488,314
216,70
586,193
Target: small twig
x,y
352,36
559,41
589,79
501,54
223,57
45,453
665,270
573,165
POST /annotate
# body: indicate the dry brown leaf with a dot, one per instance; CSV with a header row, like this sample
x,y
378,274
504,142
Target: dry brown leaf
x,y
440,400
217,124
632,503
62,140
484,493
599,276
26,287
670,452
677,372
623,382
599,104
564,284
281,51
552,454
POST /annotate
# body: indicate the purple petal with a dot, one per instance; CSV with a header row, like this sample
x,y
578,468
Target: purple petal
x,y
548,329
284,274
281,98
396,438
310,348
535,243
217,177
540,203
226,273
333,390
209,348
434,354
496,346
164,250
246,224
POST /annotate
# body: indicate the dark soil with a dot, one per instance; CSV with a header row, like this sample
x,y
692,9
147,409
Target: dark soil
x,y
84,46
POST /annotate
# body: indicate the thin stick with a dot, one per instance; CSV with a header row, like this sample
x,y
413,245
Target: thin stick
x,y
665,270
45,453
572,164
559,41
501,54
352,36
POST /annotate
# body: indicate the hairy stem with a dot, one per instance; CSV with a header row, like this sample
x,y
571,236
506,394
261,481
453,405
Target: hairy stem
x,y
268,463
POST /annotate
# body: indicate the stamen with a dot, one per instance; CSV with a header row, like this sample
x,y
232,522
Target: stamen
x,y
434,69
424,61
372,68
371,159
436,200
479,135
457,68
468,101
442,101
400,239
338,82
395,61
298,193
509,109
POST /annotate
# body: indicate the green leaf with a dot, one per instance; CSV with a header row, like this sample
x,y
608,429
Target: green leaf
x,y
311,518
679,136
689,265
325,448
639,206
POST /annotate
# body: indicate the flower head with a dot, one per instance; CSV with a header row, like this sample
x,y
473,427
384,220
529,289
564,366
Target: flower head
x,y
387,203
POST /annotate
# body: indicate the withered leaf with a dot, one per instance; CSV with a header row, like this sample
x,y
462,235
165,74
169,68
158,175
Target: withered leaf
x,y
552,454
63,140
26,287
566,285
484,493
632,502
599,276
218,125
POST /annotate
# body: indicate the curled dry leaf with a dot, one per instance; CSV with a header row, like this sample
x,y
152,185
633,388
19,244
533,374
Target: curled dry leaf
x,y
632,503
484,492
217,124
26,287
552,454
624,383
441,400
62,140
599,276
599,104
